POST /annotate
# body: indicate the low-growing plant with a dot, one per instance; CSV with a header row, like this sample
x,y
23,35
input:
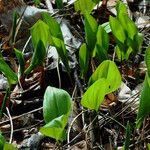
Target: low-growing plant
x,y
57,106
104,80
128,39
97,43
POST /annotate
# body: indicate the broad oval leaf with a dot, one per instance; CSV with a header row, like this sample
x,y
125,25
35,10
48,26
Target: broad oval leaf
x,y
40,32
144,107
83,60
109,71
57,102
117,29
91,27
55,128
8,72
95,94
128,25
54,27
85,6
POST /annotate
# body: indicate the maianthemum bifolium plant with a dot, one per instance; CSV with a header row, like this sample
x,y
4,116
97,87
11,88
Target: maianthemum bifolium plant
x,y
105,79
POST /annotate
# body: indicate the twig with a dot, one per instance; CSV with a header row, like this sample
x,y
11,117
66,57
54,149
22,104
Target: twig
x,y
11,125
49,6
69,129
16,117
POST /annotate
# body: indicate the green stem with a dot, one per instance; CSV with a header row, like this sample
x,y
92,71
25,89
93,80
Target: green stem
x,y
5,101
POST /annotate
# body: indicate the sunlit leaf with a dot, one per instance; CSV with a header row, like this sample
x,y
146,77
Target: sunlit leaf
x,y
57,102
95,94
121,8
37,58
109,71
56,110
91,27
102,43
40,32
55,128
54,27
128,25
8,72
117,29
8,146
85,6
83,60
106,27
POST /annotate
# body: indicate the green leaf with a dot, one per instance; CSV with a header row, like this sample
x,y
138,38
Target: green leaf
x,y
102,43
109,71
137,43
106,27
37,2
8,146
57,102
37,58
91,27
62,51
117,29
21,60
83,60
144,107
95,94
8,72
128,25
148,146
127,137
54,27
40,32
121,8
55,128
14,25
59,4
85,6
147,59
123,51
56,110
2,141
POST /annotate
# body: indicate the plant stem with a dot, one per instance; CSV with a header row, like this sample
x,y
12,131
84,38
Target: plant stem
x,y
5,101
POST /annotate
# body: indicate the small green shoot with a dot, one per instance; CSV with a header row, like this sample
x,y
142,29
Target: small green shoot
x,y
56,39
102,44
90,28
144,107
85,6
21,60
125,32
127,137
83,60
